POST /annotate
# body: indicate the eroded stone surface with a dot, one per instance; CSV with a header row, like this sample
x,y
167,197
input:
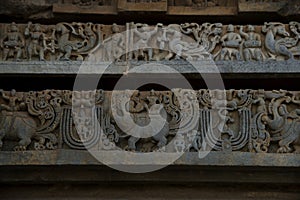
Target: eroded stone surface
x,y
44,9
120,43
248,121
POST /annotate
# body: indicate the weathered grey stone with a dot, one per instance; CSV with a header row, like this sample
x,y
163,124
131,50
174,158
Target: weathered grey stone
x,y
29,9
289,68
291,8
75,157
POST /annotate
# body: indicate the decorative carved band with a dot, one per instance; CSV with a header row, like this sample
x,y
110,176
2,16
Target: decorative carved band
x,y
245,120
171,7
192,41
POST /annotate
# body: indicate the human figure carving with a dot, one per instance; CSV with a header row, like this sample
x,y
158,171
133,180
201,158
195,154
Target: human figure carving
x,y
13,100
231,42
118,43
37,44
12,43
142,45
17,125
180,48
65,45
143,112
252,44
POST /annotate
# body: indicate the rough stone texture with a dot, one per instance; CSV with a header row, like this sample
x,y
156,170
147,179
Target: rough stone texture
x,y
65,173
291,8
237,68
29,9
261,6
81,158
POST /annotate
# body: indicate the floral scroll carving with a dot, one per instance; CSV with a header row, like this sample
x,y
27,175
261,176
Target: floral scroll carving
x,y
247,120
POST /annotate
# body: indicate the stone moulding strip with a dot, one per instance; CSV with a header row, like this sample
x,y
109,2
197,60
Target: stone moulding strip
x,y
75,157
224,67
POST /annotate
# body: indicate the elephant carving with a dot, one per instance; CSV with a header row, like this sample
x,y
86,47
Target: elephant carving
x,y
19,126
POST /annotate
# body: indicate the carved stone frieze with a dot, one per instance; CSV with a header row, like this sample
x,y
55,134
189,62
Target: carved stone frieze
x,y
135,41
86,6
202,7
143,5
261,5
170,121
51,9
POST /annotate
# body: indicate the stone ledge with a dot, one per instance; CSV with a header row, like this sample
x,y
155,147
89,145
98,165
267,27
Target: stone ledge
x,y
223,67
76,157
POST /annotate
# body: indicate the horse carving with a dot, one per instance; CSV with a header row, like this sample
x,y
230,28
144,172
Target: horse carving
x,y
140,120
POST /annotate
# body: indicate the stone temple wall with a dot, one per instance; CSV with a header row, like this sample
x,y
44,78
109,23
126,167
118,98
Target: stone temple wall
x,y
188,102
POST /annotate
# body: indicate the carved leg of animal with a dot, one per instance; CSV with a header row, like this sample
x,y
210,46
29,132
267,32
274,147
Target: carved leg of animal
x,y
68,50
284,51
238,55
50,145
23,143
247,54
131,143
258,55
162,140
60,55
284,148
40,144
223,54
169,56
285,143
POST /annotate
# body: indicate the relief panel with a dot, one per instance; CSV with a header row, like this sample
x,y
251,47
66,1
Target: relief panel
x,y
168,121
142,42
143,5
86,6
202,7
261,5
